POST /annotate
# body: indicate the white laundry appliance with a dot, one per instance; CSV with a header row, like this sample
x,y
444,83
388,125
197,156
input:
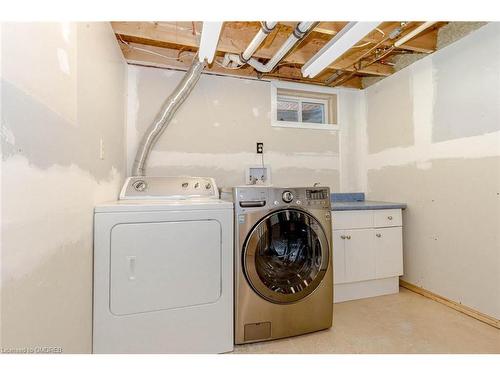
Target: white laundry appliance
x,y
163,269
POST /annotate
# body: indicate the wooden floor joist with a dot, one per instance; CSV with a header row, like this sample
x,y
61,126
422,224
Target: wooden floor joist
x,y
454,305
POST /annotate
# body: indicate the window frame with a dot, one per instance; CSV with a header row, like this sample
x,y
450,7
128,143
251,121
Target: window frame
x,y
300,100
275,85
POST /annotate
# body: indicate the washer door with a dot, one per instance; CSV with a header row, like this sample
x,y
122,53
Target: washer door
x,y
286,256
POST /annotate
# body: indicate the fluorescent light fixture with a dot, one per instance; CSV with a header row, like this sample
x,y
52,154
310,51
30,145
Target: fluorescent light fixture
x,y
351,34
209,39
413,33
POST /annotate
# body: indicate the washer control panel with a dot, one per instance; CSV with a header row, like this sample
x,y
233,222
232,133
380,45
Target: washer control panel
x,y
316,194
253,197
317,197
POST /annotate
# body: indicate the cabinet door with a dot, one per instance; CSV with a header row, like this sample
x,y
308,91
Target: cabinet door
x,y
338,256
359,255
388,243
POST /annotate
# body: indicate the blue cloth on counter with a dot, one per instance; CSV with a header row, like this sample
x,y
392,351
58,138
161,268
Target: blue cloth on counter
x,y
347,197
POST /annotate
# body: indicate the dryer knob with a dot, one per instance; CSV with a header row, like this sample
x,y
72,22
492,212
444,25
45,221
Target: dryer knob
x,y
140,185
287,196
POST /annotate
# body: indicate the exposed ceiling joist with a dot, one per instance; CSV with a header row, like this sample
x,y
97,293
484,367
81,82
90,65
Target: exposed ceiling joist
x,y
162,42
171,59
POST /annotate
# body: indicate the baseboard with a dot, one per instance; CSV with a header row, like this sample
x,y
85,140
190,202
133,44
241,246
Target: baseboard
x,y
365,289
454,305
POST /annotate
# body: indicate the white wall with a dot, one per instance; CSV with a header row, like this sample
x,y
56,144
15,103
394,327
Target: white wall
x,y
432,140
215,131
63,90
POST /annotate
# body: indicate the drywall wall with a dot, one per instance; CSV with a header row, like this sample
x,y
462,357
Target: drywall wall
x,y
395,128
443,161
353,141
215,131
62,97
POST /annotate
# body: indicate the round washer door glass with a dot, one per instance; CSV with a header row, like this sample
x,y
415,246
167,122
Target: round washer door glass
x,y
286,256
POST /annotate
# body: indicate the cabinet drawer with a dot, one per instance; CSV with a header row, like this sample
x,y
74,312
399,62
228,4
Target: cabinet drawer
x,y
352,219
387,218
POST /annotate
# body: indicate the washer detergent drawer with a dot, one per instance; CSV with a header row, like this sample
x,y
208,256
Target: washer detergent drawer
x,y
164,265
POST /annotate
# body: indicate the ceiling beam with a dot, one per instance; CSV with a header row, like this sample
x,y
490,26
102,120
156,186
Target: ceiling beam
x,y
424,43
173,59
172,39
233,40
181,60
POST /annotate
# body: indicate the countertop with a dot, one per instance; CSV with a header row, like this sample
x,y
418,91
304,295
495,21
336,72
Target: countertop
x,y
356,201
366,205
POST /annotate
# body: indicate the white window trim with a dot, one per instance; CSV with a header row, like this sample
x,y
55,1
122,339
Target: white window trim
x,y
275,85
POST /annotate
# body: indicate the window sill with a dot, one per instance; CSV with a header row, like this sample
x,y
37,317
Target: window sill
x,y
304,125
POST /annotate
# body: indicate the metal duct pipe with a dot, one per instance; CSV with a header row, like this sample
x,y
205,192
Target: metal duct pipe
x,y
166,113
298,33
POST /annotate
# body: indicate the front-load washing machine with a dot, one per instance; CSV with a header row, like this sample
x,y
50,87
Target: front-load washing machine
x,y
163,269
283,262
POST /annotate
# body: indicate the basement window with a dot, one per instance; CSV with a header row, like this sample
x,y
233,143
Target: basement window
x,y
298,109
303,106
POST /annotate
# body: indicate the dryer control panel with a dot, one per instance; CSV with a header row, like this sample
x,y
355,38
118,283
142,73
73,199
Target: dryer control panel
x,y
183,187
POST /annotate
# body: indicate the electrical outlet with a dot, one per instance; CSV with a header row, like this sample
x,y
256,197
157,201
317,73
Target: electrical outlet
x,y
260,148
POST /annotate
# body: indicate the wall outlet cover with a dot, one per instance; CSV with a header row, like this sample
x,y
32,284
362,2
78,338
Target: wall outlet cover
x,y
260,148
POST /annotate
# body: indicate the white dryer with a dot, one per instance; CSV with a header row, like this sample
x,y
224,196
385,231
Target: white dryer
x,y
163,269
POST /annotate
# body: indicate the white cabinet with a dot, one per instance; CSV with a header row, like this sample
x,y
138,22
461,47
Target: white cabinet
x,y
388,245
353,255
359,255
338,256
367,253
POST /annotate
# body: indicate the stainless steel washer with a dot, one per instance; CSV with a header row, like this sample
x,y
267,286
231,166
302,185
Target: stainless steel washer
x,y
283,262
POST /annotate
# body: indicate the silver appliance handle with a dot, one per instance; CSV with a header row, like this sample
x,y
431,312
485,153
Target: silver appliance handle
x,y
252,203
